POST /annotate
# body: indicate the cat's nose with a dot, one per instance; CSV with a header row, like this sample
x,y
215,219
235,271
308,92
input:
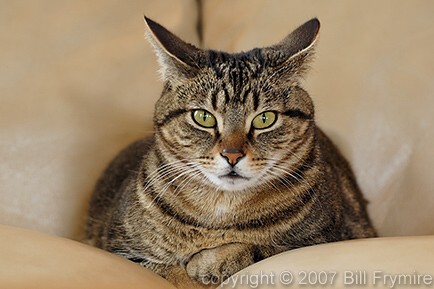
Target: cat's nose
x,y
232,156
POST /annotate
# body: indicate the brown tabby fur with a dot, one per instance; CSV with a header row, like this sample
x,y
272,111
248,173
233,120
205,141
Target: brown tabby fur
x,y
157,203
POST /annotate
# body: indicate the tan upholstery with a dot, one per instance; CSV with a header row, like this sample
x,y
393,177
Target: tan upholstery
x,y
78,82
399,262
38,261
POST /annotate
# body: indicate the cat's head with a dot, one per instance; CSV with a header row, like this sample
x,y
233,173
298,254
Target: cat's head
x,y
236,121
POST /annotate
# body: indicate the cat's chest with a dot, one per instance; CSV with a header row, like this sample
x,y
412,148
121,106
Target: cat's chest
x,y
221,210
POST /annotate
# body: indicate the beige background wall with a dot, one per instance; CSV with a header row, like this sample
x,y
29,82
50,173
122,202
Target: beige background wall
x,y
78,82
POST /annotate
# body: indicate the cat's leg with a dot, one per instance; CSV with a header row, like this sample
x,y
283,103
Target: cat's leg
x,y
213,266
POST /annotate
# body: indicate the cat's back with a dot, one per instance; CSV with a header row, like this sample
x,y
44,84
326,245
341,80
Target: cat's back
x,y
351,199
110,187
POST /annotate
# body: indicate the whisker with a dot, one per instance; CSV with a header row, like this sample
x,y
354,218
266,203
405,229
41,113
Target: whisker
x,y
164,170
276,168
170,183
309,189
282,180
187,181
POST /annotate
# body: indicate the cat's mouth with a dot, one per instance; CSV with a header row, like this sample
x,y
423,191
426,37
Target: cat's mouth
x,y
233,176
231,180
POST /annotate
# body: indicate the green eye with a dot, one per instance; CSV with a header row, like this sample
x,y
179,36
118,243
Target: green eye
x,y
264,120
204,118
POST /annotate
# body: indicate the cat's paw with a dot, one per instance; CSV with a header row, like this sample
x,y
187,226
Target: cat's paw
x,y
213,266
208,268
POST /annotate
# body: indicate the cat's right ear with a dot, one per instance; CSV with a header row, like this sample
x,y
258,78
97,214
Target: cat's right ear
x,y
178,59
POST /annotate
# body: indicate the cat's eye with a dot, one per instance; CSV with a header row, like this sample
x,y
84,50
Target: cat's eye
x,y
204,118
264,120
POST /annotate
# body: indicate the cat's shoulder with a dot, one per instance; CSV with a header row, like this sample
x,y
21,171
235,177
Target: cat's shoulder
x,y
128,159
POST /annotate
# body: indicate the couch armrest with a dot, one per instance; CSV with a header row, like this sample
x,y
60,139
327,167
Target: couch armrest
x,y
393,262
35,260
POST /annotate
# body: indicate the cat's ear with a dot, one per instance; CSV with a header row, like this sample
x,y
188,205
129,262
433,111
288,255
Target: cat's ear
x,y
296,50
178,59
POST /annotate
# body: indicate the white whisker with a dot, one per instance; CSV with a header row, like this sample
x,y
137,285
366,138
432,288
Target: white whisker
x,y
173,171
187,181
165,170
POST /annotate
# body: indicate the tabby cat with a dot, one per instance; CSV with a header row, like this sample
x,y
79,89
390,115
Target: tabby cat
x,y
236,171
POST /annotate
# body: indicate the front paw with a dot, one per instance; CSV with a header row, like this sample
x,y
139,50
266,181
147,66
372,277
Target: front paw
x,y
213,266
205,269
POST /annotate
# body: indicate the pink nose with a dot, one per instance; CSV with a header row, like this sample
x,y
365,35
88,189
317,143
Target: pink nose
x,y
232,156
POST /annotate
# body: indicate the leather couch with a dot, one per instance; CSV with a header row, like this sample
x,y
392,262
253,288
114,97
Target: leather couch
x,y
78,82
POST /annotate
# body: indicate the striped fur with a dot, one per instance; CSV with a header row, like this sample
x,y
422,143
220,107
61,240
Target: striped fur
x,y
176,204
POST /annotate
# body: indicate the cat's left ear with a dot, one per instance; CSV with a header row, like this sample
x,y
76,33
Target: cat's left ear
x,y
178,59
293,54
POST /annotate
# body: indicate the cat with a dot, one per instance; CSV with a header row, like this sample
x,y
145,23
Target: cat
x,y
236,171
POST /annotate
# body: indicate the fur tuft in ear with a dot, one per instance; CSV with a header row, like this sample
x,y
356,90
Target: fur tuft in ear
x,y
178,60
292,55
301,39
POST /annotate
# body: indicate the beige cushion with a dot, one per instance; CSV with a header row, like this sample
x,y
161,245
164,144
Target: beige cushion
x,y
372,82
393,262
38,261
78,82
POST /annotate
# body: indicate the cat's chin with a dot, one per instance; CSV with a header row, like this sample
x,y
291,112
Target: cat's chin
x,y
231,182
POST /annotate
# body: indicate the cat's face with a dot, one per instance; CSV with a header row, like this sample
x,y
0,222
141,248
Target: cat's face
x,y
239,136
235,121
